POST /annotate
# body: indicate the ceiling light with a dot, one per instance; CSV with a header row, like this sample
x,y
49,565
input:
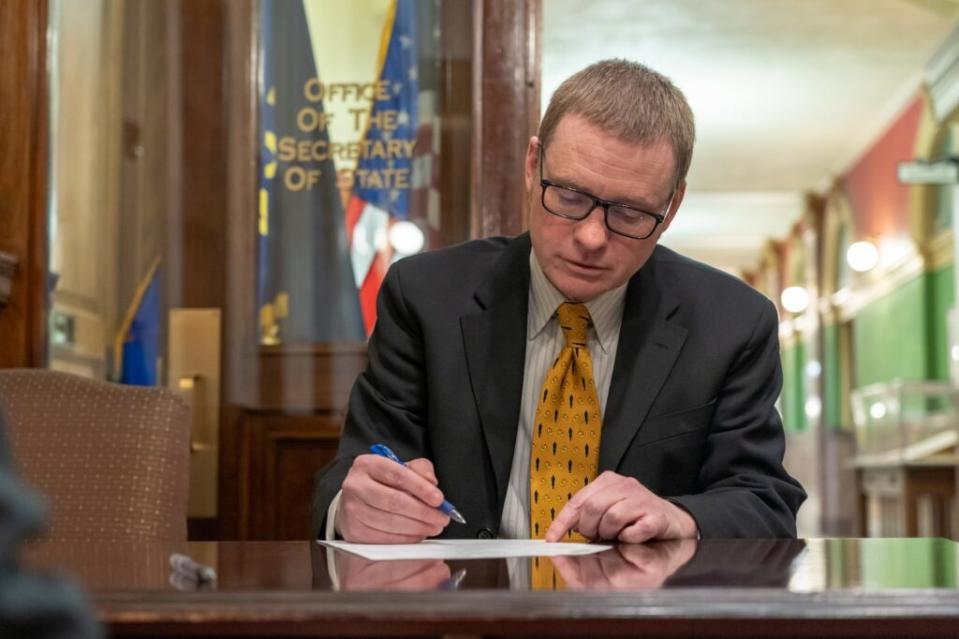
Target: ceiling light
x,y
862,256
795,299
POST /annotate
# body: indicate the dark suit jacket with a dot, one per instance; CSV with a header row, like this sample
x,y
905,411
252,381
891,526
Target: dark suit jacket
x,y
690,411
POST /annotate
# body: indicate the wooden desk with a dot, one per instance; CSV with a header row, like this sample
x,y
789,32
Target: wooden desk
x,y
721,588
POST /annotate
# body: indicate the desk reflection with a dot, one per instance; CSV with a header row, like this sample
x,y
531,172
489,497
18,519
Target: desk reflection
x,y
354,573
815,565
626,567
760,563
650,566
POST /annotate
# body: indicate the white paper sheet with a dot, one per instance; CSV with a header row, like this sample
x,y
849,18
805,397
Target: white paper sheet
x,y
466,549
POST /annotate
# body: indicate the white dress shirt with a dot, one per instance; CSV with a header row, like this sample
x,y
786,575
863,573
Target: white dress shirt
x,y
544,341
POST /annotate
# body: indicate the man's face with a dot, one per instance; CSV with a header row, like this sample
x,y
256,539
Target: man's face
x,y
583,259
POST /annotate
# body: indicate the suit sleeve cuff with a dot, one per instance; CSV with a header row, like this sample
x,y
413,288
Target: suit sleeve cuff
x,y
679,502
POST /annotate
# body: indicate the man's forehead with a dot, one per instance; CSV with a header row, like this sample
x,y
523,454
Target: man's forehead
x,y
593,159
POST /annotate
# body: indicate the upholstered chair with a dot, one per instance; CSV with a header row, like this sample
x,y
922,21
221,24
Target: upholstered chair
x,y
112,461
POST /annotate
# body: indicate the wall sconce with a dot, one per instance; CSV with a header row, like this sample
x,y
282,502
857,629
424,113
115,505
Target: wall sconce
x,y
795,299
862,256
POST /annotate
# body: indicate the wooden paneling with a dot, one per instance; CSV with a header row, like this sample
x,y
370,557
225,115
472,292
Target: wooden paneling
x,y
506,86
305,377
284,453
8,267
204,150
456,106
23,179
275,439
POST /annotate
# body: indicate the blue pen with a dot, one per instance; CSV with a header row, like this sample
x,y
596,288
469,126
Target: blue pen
x,y
445,507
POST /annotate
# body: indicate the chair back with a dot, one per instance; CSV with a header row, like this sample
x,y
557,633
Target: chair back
x,y
112,460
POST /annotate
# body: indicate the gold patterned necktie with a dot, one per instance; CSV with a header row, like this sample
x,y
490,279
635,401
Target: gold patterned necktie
x,y
564,455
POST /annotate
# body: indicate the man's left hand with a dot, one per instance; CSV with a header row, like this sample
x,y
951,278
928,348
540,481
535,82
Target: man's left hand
x,y
616,507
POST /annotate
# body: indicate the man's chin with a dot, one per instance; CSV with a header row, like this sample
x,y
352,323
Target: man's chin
x,y
580,292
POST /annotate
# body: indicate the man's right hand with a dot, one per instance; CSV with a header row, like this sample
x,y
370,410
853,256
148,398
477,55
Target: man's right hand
x,y
383,502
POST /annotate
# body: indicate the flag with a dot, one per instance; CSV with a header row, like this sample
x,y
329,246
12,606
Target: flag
x,y
305,290
137,346
384,173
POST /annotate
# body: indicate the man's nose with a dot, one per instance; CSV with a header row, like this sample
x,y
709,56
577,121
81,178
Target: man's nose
x,y
591,231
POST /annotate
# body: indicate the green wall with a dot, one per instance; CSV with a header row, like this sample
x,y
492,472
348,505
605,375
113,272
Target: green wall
x,y
929,563
904,334
890,336
940,285
901,335
794,393
832,375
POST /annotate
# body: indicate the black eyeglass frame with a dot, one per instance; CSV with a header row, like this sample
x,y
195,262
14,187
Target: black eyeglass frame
x,y
605,204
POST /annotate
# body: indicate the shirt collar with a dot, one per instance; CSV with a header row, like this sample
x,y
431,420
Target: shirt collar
x,y
606,310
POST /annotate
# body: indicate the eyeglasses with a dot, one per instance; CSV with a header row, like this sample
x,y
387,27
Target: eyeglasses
x,y
573,204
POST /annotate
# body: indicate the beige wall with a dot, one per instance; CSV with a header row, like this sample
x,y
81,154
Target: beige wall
x,y
85,127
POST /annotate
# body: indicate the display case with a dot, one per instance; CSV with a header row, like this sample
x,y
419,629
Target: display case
x,y
906,436
906,420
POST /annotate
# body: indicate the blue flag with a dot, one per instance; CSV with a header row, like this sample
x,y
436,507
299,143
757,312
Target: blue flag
x,y
304,272
142,336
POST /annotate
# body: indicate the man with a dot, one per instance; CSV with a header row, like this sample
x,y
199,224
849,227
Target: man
x,y
577,381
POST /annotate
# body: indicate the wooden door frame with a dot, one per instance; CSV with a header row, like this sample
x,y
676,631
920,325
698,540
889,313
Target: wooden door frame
x,y
23,183
506,38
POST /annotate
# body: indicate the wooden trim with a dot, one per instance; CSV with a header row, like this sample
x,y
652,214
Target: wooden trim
x,y
241,108
707,612
940,250
23,179
8,267
323,348
507,39
456,104
239,327
37,263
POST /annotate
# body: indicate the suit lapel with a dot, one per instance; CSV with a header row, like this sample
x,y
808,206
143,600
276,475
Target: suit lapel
x,y
649,344
495,344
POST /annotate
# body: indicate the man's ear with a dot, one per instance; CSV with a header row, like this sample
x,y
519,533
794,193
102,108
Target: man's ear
x,y
674,206
532,160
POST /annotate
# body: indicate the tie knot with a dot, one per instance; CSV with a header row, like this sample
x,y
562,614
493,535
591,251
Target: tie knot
x,y
574,320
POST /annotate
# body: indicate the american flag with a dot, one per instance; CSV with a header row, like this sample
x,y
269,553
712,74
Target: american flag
x,y
373,209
